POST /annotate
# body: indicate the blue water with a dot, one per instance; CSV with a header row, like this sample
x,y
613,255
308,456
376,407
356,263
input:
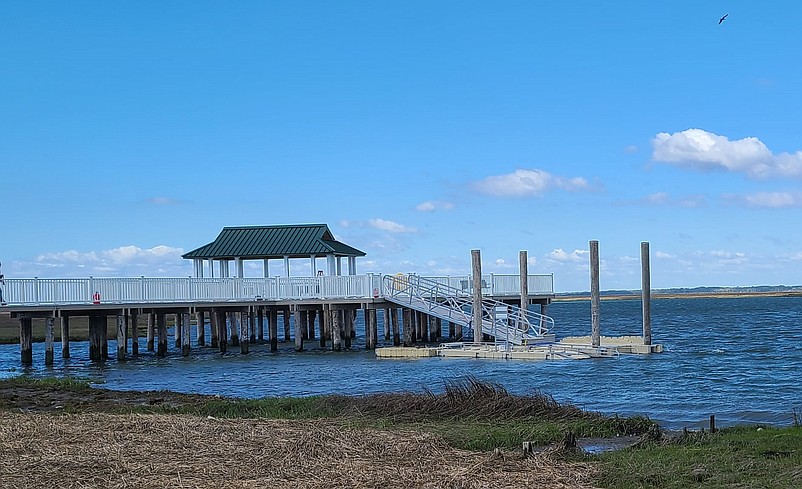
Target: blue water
x,y
739,359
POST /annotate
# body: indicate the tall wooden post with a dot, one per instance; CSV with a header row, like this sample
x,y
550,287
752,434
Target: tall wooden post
x,y
300,325
186,327
95,323
26,341
407,325
150,332
387,324
595,297
286,315
49,323
371,330
234,321
476,310
348,324
244,324
260,319
161,326
214,328
646,293
134,321
394,324
122,346
200,325
324,320
523,265
311,324
65,336
336,330
273,325
178,330
222,331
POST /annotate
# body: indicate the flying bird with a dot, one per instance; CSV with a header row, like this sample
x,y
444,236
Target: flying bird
x,y
722,19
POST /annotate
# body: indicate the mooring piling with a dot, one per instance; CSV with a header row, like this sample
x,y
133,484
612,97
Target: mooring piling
x,y
595,298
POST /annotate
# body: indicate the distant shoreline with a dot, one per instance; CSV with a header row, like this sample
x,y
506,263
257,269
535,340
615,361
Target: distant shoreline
x,y
656,294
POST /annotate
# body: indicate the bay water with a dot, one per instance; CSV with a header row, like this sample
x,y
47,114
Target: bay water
x,y
737,358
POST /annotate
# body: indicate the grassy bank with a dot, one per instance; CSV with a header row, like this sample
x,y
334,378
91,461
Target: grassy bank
x,y
447,439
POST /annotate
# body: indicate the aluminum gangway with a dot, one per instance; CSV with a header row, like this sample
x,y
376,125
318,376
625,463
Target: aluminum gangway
x,y
506,323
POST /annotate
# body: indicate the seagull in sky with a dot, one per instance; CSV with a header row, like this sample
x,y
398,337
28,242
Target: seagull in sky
x,y
722,19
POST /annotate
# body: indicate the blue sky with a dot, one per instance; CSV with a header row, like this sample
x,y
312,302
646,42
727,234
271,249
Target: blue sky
x,y
133,131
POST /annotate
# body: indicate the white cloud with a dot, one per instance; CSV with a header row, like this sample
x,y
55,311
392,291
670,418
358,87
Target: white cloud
x,y
664,198
434,205
528,183
631,149
663,256
767,199
162,201
123,261
390,226
703,150
562,256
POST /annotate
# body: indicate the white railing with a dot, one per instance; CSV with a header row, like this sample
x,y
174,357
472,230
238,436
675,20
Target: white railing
x,y
45,291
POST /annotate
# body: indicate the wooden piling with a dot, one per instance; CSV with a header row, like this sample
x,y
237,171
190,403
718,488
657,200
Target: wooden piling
x,y
49,323
523,267
646,293
26,341
134,322
286,316
186,327
150,331
394,324
424,327
252,326
95,324
476,309
200,325
300,325
244,324
104,339
595,298
122,346
407,325
312,315
222,331
65,336
438,328
273,326
234,321
348,327
161,326
386,324
336,330
178,330
324,319
458,332
260,319
214,328
371,329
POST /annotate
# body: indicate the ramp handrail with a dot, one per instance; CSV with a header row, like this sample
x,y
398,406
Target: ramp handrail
x,y
506,323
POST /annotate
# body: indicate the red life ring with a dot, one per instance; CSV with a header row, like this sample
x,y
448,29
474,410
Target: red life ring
x,y
96,298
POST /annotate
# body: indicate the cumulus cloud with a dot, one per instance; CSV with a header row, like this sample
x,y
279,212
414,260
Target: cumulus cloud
x,y
664,198
702,150
390,226
528,183
162,201
562,256
434,205
767,199
123,261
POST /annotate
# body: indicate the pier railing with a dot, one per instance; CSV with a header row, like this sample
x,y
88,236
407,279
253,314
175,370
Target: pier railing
x,y
46,291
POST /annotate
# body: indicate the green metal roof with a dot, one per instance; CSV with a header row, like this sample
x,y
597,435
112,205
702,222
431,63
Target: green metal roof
x,y
257,242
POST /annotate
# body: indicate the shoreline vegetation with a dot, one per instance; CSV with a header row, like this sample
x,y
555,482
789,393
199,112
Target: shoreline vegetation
x,y
470,435
79,326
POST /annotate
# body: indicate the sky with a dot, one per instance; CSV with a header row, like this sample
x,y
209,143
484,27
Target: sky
x,y
132,132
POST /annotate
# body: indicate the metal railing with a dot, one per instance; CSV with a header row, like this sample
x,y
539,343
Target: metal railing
x,y
56,291
506,323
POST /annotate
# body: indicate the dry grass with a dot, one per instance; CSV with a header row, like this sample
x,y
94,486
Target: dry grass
x,y
157,451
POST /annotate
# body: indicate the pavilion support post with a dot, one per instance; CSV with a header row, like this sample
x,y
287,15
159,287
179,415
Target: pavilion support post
x,y
394,323
49,326
214,328
286,315
222,331
371,328
260,320
161,327
311,325
325,317
386,324
95,323
186,326
26,341
200,325
133,320
407,326
300,325
122,345
234,321
178,331
273,325
476,309
150,332
595,298
646,293
245,323
336,330
65,336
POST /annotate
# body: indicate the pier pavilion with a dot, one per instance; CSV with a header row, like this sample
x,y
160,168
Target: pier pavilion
x,y
236,310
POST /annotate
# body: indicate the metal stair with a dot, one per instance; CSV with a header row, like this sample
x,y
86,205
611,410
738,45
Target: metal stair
x,y
507,324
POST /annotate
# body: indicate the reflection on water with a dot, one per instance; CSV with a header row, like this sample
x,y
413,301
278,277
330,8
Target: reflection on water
x,y
736,358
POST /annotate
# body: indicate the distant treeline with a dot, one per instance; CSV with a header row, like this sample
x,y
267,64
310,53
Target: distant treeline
x,y
758,289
